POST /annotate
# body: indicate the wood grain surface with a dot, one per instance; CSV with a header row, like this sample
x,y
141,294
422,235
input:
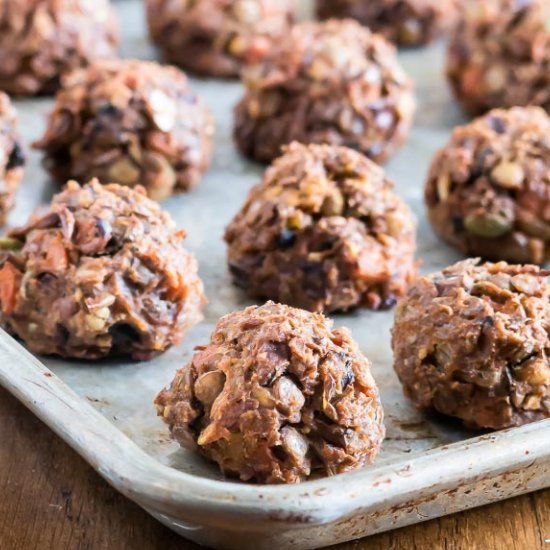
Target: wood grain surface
x,y
50,499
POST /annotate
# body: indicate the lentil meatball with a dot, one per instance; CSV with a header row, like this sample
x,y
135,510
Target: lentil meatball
x,y
405,22
129,121
333,82
42,39
12,158
101,272
473,341
276,396
216,37
499,54
323,231
488,190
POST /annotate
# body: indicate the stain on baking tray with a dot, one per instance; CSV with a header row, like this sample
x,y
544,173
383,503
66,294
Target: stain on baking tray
x,y
97,400
514,482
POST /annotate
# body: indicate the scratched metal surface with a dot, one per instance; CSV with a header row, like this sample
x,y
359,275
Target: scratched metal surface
x,y
123,392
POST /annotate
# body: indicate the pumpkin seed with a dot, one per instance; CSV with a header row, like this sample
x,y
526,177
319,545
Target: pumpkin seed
x,y
333,205
7,243
488,225
123,171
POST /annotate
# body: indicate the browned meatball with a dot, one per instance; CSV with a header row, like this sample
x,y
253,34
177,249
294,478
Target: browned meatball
x,y
499,54
406,22
101,272
323,231
474,342
12,158
276,396
488,190
216,37
333,82
129,121
42,39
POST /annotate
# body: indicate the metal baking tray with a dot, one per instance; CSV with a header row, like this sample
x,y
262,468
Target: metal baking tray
x,y
429,466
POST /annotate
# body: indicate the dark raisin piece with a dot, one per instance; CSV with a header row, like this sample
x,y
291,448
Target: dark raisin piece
x,y
287,238
17,157
124,334
496,124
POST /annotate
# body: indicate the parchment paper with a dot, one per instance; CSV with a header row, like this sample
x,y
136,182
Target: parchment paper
x,y
124,392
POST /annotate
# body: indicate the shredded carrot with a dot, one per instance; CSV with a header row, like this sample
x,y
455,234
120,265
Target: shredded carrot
x,y
10,279
56,256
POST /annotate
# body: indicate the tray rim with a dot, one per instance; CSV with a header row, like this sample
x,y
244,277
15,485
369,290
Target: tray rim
x,y
151,484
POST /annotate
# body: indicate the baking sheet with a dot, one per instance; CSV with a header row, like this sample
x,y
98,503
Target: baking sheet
x,y
123,392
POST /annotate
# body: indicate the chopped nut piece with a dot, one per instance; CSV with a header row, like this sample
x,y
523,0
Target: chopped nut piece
x,y
243,431
209,386
509,175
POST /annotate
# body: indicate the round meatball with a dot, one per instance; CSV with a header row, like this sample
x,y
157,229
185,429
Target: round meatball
x,y
333,82
101,272
488,190
405,22
216,37
276,396
499,55
473,341
42,39
12,158
129,121
323,231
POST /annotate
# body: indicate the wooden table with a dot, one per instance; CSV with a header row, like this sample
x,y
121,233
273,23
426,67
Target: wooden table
x,y
50,499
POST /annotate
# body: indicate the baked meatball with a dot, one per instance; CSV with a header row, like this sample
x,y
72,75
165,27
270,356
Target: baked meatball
x,y
488,190
42,39
499,54
12,158
129,121
405,22
216,37
276,396
473,341
323,231
101,272
333,82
